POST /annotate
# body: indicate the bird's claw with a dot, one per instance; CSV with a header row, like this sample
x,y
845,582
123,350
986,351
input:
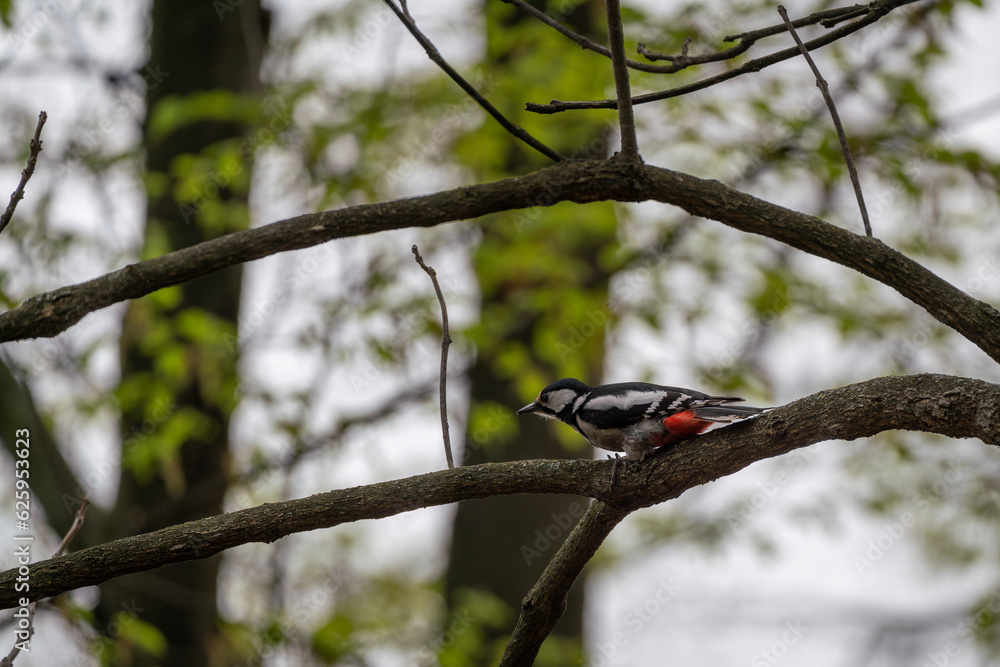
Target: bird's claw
x,y
614,468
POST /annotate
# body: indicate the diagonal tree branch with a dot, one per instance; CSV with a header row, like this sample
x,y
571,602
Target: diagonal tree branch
x,y
404,16
582,181
57,489
546,601
824,88
951,406
878,9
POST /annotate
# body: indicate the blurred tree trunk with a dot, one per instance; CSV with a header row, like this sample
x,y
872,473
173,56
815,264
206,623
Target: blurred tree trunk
x,y
501,545
178,379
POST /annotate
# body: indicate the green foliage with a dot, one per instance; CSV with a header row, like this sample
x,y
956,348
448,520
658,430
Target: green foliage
x,y
467,645
158,452
543,272
176,112
125,635
491,424
334,640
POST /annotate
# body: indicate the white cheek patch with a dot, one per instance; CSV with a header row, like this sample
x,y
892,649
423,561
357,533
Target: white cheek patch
x,y
558,400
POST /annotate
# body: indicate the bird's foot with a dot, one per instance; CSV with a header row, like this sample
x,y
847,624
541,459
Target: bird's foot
x,y
614,468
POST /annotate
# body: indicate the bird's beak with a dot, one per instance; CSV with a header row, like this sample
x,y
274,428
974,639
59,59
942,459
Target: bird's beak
x,y
529,408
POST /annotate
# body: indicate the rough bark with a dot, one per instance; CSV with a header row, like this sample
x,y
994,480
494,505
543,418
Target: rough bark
x,y
580,182
950,406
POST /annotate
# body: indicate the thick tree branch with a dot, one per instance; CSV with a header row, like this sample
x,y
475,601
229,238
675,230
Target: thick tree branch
x,y
951,406
580,181
876,11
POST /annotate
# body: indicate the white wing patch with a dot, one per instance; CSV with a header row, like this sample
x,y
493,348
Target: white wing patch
x,y
678,402
655,404
627,400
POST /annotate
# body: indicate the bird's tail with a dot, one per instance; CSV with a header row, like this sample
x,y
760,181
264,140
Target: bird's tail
x,y
726,414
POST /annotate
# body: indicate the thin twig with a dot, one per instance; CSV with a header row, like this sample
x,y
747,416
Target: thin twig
x,y
748,39
626,120
435,56
75,528
445,342
825,89
875,12
827,18
8,660
34,148
587,43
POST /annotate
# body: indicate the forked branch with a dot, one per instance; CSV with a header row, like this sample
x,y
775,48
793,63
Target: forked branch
x,y
874,12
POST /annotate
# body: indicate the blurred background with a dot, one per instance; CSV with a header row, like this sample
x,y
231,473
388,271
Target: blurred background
x,y
175,122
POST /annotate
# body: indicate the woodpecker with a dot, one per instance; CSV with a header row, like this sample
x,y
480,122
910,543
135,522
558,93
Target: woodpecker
x,y
637,418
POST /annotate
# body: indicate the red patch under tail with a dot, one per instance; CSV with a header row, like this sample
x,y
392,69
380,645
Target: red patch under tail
x,y
677,427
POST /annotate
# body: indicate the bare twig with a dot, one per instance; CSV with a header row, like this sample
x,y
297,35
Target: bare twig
x,y
848,13
827,18
432,52
445,342
626,121
34,148
8,660
586,42
825,89
874,12
748,39
75,528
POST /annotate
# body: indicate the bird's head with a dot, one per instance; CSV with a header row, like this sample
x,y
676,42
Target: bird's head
x,y
557,400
